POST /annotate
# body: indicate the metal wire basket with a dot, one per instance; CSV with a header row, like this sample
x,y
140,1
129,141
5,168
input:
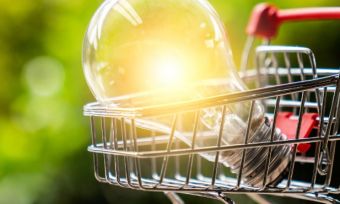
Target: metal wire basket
x,y
131,150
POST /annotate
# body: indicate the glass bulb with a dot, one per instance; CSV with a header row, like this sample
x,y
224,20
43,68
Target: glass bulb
x,y
148,52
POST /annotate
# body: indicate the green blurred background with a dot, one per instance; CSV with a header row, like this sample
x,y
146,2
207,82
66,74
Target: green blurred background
x,y
43,135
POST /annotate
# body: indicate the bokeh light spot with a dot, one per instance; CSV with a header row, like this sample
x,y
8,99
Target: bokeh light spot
x,y
44,76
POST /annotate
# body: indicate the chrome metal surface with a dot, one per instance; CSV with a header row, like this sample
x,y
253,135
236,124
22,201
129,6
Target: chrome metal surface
x,y
132,149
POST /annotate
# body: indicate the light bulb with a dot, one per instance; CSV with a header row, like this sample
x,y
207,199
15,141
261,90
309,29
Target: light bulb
x,y
150,52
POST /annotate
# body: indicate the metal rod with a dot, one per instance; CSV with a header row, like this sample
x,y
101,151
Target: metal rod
x,y
320,133
220,134
115,147
258,71
325,151
239,176
150,154
312,62
282,71
301,67
276,68
261,93
107,164
166,158
331,162
258,198
153,160
137,160
246,53
191,156
268,160
297,136
126,159
93,131
302,72
173,197
290,78
110,146
95,155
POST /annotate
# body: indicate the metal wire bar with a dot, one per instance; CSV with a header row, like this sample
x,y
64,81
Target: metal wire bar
x,y
185,151
291,103
191,156
95,156
220,134
245,142
153,160
320,132
333,144
299,58
258,198
337,116
272,91
271,140
276,66
297,136
301,66
331,162
106,161
109,157
126,158
136,160
174,198
202,186
246,53
115,147
325,151
166,158
312,197
282,71
288,66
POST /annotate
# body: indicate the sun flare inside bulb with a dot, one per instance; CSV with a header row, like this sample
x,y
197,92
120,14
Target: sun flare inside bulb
x,y
169,71
167,46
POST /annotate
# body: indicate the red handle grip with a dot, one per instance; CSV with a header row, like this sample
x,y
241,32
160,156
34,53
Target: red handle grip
x,y
266,19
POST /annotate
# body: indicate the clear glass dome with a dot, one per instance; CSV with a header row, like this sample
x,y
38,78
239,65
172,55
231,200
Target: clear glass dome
x,y
138,46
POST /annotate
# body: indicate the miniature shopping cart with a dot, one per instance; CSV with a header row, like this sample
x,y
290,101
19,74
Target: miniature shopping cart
x,y
300,99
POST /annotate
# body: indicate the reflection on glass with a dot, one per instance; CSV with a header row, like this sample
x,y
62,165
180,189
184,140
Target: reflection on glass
x,y
152,52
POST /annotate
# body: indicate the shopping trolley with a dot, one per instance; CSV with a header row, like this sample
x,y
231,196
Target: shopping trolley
x,y
131,151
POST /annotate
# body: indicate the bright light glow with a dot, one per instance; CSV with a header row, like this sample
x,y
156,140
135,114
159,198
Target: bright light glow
x,y
44,75
169,70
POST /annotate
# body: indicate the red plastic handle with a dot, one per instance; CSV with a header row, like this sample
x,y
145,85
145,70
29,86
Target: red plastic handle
x,y
288,126
266,19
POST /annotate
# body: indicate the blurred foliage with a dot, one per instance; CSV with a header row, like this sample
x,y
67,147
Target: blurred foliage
x,y
43,135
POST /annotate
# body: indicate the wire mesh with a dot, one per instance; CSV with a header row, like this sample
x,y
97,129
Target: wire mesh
x,y
134,148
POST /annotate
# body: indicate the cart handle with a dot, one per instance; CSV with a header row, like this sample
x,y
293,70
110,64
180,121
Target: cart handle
x,y
266,19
